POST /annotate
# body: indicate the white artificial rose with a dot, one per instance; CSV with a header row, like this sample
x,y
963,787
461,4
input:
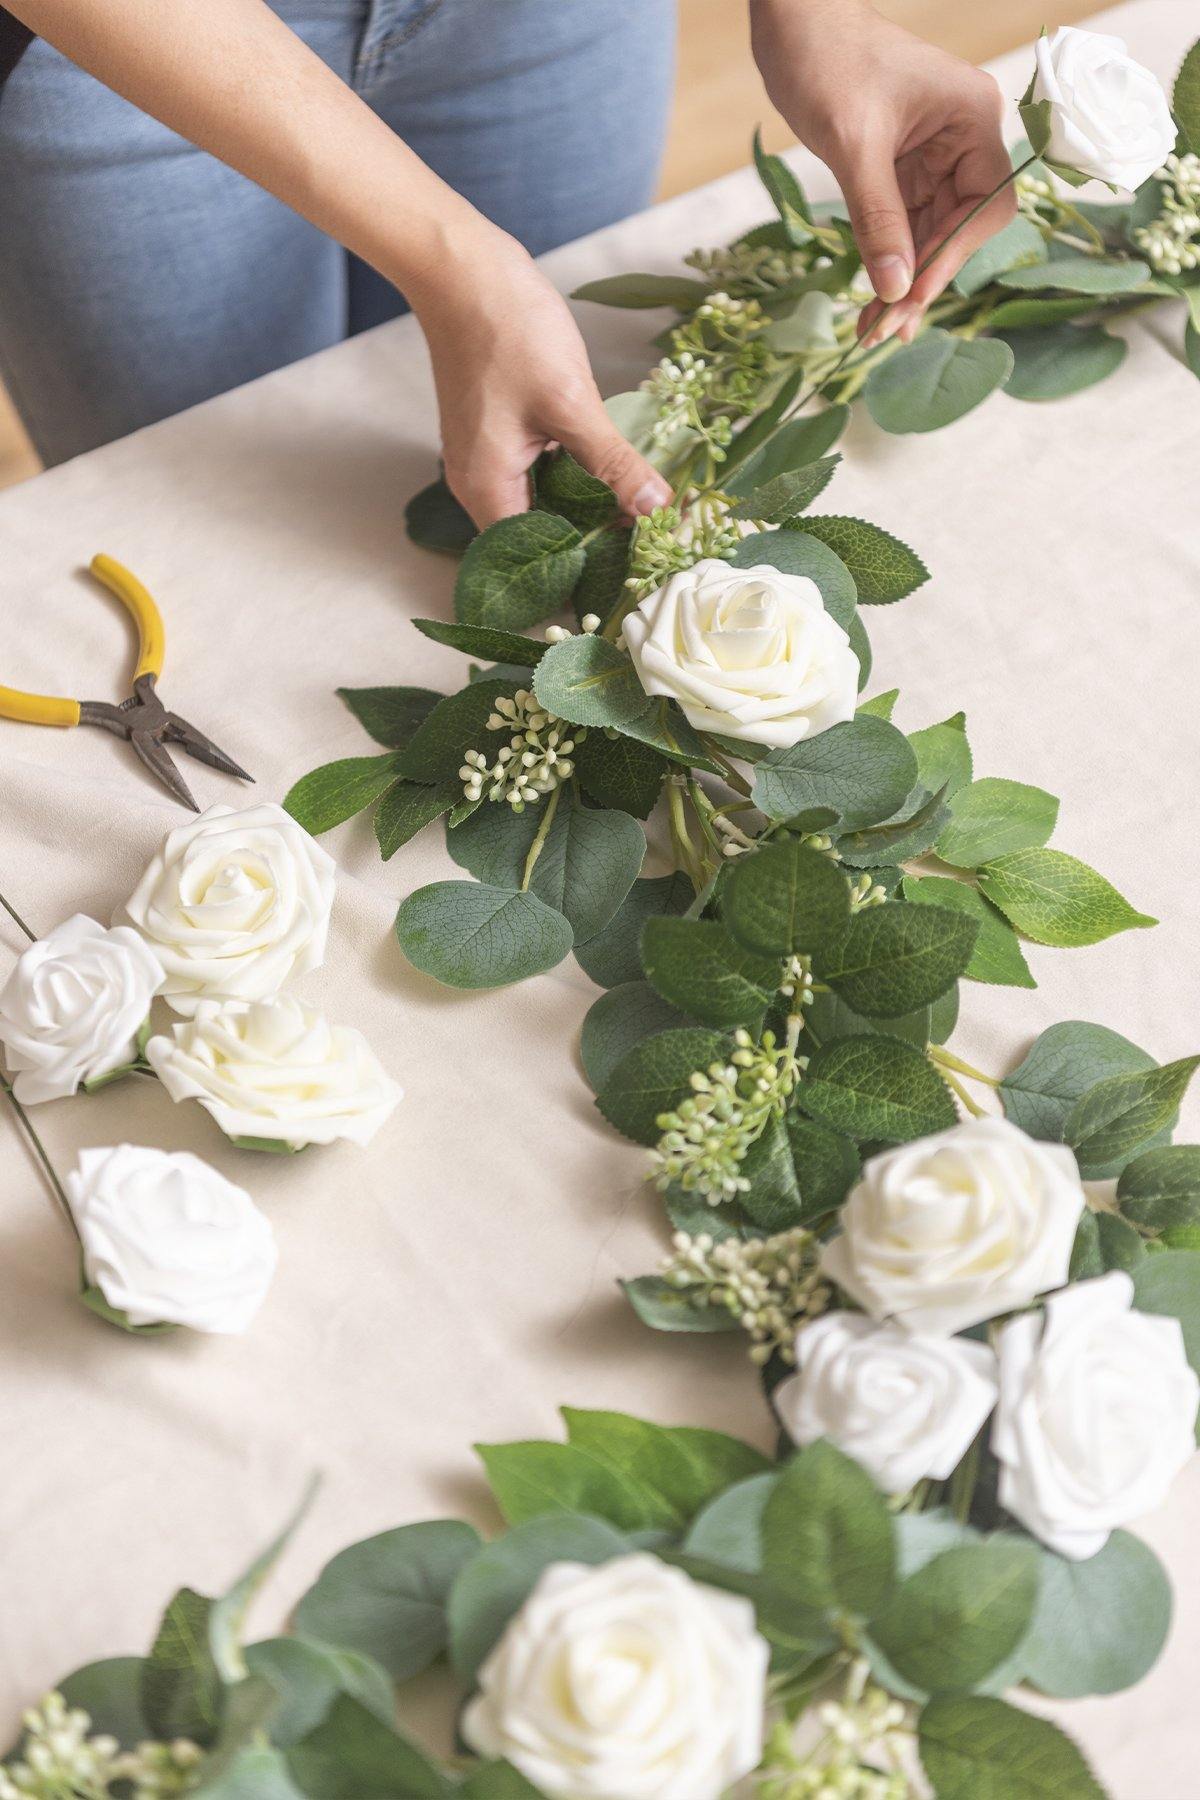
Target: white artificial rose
x,y
72,1008
275,1069
904,1407
1097,1414
168,1240
234,904
1109,117
625,1682
957,1228
748,653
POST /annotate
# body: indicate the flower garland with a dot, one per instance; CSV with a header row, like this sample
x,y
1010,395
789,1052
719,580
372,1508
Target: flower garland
x,y
982,1371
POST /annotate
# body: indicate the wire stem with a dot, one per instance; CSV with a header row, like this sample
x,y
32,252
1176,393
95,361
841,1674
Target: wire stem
x,y
17,920
40,1152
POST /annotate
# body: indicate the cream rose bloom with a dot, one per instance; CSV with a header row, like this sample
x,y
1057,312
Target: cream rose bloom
x,y
904,1407
168,1240
275,1069
748,653
1109,117
957,1228
72,1007
625,1682
1097,1414
234,904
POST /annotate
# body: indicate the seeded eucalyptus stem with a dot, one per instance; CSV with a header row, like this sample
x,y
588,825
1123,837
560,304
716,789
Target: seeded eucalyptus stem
x,y
17,920
40,1152
539,842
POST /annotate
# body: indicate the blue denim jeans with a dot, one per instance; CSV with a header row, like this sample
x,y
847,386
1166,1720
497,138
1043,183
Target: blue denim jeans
x,y
138,275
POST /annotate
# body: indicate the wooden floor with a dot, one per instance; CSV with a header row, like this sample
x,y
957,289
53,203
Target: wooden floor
x,y
720,100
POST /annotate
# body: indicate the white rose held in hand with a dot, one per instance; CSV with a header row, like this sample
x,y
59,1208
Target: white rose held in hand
x,y
625,1682
234,905
748,653
169,1241
904,1407
276,1069
1097,1414
1109,117
72,1008
957,1228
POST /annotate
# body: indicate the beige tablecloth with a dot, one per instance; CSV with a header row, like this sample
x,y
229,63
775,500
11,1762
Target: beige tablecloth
x,y
456,1281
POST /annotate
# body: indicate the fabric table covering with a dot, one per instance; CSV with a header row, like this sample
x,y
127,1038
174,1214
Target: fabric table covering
x,y
457,1281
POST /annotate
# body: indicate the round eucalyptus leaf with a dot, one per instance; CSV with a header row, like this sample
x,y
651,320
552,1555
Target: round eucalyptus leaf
x,y
471,936
1099,1624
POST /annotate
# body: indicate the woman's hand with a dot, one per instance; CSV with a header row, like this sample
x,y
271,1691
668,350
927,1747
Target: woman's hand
x,y
911,133
513,377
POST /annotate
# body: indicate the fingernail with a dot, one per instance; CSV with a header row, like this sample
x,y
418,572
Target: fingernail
x,y
650,495
910,328
892,277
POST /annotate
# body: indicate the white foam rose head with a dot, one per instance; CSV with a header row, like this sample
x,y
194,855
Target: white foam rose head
x,y
73,1006
1108,116
747,653
625,1682
234,905
275,1069
168,1240
904,1407
1097,1414
957,1228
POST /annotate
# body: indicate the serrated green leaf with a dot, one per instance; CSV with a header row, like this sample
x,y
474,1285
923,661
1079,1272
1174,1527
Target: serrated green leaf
x,y
605,567
1055,899
936,380
617,1021
798,553
620,772
944,762
827,1537
1079,275
900,839
328,796
830,1017
786,899
997,956
563,486
785,497
456,724
352,1755
1169,1283
1185,98
696,965
881,706
729,1529
590,682
641,292
654,1076
531,1480
665,729
390,714
1052,361
796,444
1018,244
883,568
798,1173
787,196
980,1748
407,807
484,641
876,1088
1119,1115
1160,1189
896,957
678,1468
518,571
863,770
471,936
435,520
1064,1062
180,1682
963,1614
614,955
993,817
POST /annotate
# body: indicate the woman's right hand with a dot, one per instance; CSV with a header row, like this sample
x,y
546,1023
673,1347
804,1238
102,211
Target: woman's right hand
x,y
513,377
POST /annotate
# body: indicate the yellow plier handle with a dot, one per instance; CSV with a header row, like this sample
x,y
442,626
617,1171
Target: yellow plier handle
x,y
49,709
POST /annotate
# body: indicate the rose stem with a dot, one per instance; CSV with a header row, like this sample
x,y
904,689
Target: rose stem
x,y
954,1083
40,1151
948,1060
17,920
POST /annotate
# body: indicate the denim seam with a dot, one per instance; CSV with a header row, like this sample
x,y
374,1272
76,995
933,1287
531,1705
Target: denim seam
x,y
368,65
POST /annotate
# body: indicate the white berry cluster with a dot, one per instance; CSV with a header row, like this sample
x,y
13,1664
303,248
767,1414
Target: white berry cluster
x,y
1171,241
706,1137
60,1760
535,760
861,1755
770,1285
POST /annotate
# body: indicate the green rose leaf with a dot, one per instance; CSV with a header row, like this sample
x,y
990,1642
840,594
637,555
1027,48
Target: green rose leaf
x,y
642,292
654,1076
590,682
390,714
699,967
1185,98
796,445
1169,1283
518,571
827,1535
1019,244
1065,1061
883,568
484,641
563,486
587,863
935,380
614,955
407,807
620,1019
497,1781
386,1596
1100,275
1052,361
786,899
896,957
786,496
496,1583
944,762
1055,899
308,1678
455,724
964,1613
110,1692
678,1468
787,196
881,706
876,1088
435,520
798,1173
797,553
667,1308
181,1686
468,935
983,1749
863,769
534,1479
352,1755
665,729
327,796
997,956
992,818
620,772
1119,1115
729,1529
1161,1188
1101,1624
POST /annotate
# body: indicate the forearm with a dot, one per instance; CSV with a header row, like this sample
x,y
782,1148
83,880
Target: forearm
x,y
231,77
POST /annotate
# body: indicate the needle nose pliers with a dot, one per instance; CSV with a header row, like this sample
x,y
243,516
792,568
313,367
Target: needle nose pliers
x,y
142,718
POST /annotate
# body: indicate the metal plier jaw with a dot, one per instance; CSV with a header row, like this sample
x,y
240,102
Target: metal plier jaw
x,y
149,727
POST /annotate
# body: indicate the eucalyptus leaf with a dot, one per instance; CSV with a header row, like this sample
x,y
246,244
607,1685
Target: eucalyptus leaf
x,y
1052,361
654,1076
1100,1624
308,1677
435,520
946,1628
1160,1190
1080,274
617,1021
1064,1062
936,380
1169,1283
614,955
1017,245
643,292
471,936
1123,1113
795,445
587,861
352,1755
667,1308
590,682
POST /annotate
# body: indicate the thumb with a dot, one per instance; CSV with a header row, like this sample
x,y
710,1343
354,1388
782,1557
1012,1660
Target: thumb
x,y
594,441
880,220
